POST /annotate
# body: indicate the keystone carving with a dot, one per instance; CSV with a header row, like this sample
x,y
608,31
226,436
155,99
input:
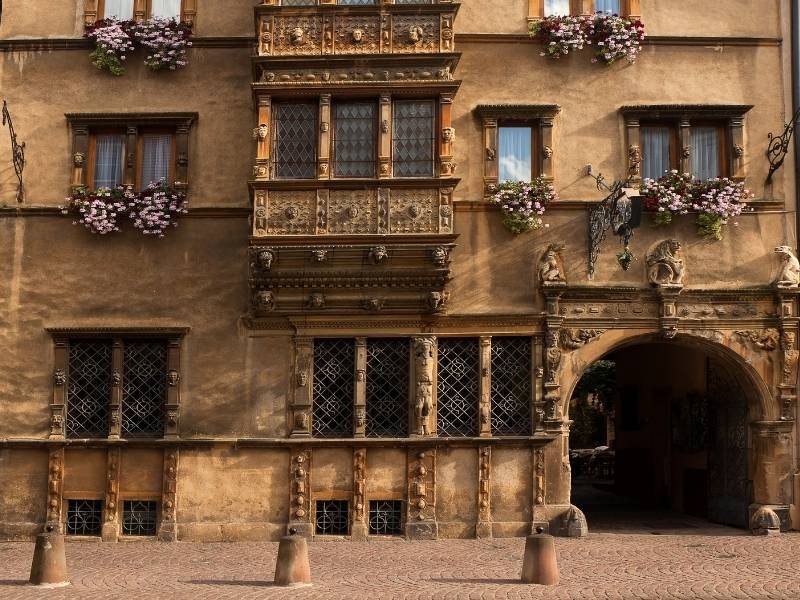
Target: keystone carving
x,y
789,276
766,340
572,339
664,267
550,270
423,379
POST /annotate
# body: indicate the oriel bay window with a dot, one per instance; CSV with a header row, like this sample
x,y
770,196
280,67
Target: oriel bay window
x,y
294,140
413,138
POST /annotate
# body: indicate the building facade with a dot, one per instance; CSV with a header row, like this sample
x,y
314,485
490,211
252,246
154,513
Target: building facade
x,y
341,336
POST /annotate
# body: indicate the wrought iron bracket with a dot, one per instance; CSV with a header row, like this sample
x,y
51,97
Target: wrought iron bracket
x,y
778,146
17,152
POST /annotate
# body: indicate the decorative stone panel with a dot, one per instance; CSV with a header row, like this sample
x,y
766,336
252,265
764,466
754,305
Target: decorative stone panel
x,y
291,212
352,211
414,211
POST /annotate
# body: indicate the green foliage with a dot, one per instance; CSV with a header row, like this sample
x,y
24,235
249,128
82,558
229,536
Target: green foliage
x,y
103,59
599,379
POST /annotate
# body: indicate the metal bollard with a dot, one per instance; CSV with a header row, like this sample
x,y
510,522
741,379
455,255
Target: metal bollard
x,y
292,567
539,564
49,567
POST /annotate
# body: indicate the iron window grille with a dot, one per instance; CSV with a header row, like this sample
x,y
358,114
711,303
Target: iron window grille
x,y
511,385
413,138
334,370
144,388
84,517
139,517
386,517
354,139
332,517
294,140
387,387
458,387
89,389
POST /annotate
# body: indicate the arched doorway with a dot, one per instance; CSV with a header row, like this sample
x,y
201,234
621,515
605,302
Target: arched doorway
x,y
660,431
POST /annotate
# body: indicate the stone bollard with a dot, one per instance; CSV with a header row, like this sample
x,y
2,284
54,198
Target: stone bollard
x,y
539,564
292,567
49,567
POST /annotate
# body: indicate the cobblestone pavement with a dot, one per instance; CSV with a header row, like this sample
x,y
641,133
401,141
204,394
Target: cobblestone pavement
x,y
693,564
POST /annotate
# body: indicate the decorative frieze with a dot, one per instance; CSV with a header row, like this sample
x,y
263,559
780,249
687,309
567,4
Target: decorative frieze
x,y
573,339
766,340
421,518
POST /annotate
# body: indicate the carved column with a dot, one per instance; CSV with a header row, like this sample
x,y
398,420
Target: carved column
x,y
540,517
447,167
58,406
553,417
324,158
421,517
634,9
168,529
385,137
483,529
115,405
633,134
55,488
182,153
537,384
300,501
787,387
261,171
485,421
736,133
265,34
447,36
300,425
546,155
685,135
422,411
358,526
139,10
360,386
172,405
446,210
110,529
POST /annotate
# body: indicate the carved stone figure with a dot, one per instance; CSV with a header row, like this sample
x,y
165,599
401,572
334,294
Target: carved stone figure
x,y
297,36
439,256
319,255
634,160
265,258
378,254
78,159
261,132
358,35
436,300
765,521
316,300
59,377
264,301
423,375
553,363
549,265
547,151
789,276
173,378
664,267
766,340
491,154
385,126
416,35
448,135
572,339
361,416
373,304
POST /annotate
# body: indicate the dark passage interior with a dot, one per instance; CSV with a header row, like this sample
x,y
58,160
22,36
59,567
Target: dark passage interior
x,y
659,441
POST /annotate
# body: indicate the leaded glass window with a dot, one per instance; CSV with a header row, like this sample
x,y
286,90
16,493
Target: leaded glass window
x,y
332,517
89,389
144,388
139,517
294,140
458,387
334,371
84,517
387,387
356,2
413,138
386,517
511,386
354,139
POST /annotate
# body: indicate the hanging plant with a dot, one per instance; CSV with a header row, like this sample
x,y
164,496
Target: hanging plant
x,y
614,37
99,210
156,208
523,203
166,42
715,201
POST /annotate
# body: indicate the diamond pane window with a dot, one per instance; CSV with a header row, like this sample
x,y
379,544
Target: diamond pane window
x,y
84,517
298,2
387,388
354,139
356,2
412,139
334,369
332,517
294,140
386,517
511,386
89,389
457,387
139,517
144,388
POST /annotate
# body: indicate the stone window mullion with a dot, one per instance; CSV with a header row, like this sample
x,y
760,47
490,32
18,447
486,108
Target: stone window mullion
x,y
360,388
385,130
633,133
685,142
60,383
491,142
116,399
173,396
485,394
545,148
323,167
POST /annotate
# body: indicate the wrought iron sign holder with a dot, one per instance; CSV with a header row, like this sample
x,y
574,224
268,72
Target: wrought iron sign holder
x,y
17,152
778,146
617,211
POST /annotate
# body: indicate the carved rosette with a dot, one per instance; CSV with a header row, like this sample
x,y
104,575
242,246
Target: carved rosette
x,y
484,525
424,349
421,519
300,503
55,486
110,529
169,496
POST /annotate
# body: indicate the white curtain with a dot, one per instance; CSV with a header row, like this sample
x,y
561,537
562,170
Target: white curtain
x,y
705,152
607,6
556,7
655,151
515,154
109,160
166,8
156,155
119,9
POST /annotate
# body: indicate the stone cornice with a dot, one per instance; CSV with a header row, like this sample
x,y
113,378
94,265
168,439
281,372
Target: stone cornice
x,y
668,111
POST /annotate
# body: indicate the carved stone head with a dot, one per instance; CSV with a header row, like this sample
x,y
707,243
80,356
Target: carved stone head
x,y
297,36
319,254
265,258
415,35
78,159
358,35
316,300
264,300
377,254
439,256
448,134
173,378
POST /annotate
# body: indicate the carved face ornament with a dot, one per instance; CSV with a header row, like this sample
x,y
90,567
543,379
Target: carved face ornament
x,y
297,36
416,34
358,35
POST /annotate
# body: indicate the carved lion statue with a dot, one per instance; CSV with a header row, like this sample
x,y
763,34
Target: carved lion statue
x,y
663,265
549,267
789,277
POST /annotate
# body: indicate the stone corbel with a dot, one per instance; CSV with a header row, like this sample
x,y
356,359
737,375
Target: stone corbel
x,y
485,411
358,525
110,528
421,521
483,528
668,311
302,389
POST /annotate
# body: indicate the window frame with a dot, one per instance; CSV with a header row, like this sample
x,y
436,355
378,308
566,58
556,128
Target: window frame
x,y
630,9
94,10
434,128
173,341
376,133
